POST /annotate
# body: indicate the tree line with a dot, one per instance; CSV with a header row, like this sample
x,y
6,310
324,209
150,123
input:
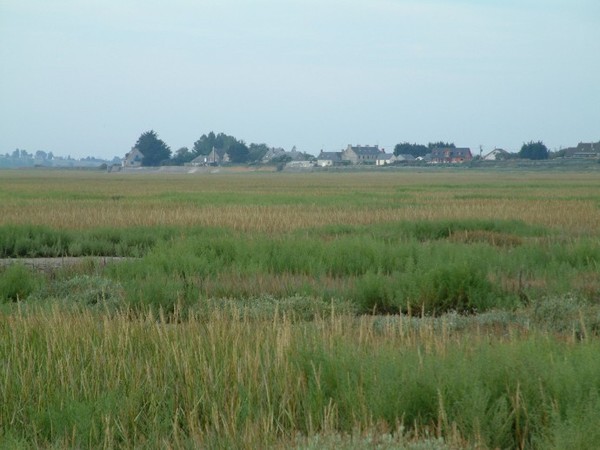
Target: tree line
x,y
529,150
156,152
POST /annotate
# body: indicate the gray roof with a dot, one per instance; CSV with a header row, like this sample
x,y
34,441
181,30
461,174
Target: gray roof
x,y
453,152
385,156
273,153
296,155
333,156
588,147
366,150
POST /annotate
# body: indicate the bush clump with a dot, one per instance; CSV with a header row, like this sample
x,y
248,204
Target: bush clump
x,y
453,287
16,283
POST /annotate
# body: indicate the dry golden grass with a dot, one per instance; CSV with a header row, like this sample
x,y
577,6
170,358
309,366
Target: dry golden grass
x,y
274,202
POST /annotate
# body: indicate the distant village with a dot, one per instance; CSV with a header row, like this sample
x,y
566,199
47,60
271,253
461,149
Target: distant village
x,y
352,155
366,155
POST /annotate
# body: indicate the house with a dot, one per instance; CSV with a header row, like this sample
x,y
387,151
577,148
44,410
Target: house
x,y
384,159
405,157
584,150
361,154
280,155
295,155
426,158
586,155
389,158
199,161
450,155
133,158
217,157
328,159
497,154
273,153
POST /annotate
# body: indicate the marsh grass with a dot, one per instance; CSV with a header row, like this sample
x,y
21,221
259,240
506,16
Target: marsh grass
x,y
227,379
431,267
282,202
447,309
42,241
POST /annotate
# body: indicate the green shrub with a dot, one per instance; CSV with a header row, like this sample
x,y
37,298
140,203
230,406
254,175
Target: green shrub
x,y
373,295
17,282
454,287
458,287
160,292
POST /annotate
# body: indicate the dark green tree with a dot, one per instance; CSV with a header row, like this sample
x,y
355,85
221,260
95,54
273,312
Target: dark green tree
x,y
441,144
238,152
257,152
406,148
533,150
204,145
207,142
182,156
155,151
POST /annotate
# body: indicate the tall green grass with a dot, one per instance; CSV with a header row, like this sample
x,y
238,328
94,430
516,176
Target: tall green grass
x,y
82,379
17,283
418,267
41,241
255,313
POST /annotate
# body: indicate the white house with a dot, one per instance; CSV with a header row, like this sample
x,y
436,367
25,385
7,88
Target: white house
x,y
497,154
328,159
217,157
384,159
133,158
199,160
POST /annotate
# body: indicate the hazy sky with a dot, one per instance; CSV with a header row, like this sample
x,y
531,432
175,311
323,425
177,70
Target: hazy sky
x,y
87,77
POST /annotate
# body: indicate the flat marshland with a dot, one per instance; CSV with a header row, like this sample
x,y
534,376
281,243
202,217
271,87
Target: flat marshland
x,y
434,309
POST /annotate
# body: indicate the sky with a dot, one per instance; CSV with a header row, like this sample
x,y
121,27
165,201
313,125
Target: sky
x,y
87,77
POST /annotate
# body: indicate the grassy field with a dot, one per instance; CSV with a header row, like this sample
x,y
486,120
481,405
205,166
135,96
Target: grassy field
x,y
405,309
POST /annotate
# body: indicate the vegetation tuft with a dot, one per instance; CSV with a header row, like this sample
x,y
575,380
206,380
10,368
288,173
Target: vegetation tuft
x,y
17,283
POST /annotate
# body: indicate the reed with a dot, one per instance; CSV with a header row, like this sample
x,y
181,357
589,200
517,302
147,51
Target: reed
x,y
84,379
272,202
430,266
436,309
